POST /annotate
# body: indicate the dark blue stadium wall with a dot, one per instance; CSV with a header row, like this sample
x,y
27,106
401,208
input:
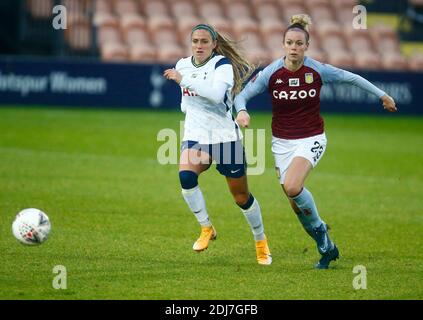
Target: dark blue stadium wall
x,y
70,83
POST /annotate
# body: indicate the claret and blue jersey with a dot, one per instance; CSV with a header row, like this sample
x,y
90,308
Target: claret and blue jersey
x,y
295,95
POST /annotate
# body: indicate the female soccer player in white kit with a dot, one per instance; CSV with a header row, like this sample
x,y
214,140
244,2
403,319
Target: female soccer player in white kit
x,y
209,79
299,140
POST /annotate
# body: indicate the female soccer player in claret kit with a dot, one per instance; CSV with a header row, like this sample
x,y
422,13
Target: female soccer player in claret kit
x,y
209,79
299,139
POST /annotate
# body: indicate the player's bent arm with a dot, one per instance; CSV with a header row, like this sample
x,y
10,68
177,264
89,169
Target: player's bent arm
x,y
215,93
254,87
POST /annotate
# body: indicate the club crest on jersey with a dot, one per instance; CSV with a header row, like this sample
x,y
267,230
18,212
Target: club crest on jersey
x,y
294,82
194,75
308,78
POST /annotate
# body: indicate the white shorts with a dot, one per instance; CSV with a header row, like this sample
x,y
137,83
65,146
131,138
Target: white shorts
x,y
284,150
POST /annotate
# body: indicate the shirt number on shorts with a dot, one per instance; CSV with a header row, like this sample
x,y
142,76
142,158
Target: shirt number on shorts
x,y
317,150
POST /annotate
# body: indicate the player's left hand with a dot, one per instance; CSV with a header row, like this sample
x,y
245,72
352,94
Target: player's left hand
x,y
172,74
388,103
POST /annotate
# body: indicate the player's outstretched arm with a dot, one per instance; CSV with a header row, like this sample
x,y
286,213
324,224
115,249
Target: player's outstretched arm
x,y
388,103
333,74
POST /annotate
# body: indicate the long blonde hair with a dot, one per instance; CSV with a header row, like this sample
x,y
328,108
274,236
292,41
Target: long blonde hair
x,y
242,68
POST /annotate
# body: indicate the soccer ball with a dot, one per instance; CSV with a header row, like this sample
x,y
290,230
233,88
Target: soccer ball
x,y
31,226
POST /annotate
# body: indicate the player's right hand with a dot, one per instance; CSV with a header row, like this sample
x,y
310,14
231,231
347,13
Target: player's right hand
x,y
243,119
172,74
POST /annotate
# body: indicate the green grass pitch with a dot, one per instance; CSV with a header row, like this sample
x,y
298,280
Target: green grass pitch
x,y
123,231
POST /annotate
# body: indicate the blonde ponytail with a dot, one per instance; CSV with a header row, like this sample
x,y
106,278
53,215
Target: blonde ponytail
x,y
241,67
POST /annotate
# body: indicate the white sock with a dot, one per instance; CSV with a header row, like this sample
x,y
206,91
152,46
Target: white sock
x,y
253,216
195,200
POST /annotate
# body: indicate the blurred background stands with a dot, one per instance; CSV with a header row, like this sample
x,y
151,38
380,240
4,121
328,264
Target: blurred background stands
x,y
158,31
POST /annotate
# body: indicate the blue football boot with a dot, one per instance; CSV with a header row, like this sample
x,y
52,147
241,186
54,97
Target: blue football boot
x,y
326,258
326,247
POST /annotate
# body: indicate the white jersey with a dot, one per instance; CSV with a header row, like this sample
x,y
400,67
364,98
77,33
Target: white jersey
x,y
207,100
